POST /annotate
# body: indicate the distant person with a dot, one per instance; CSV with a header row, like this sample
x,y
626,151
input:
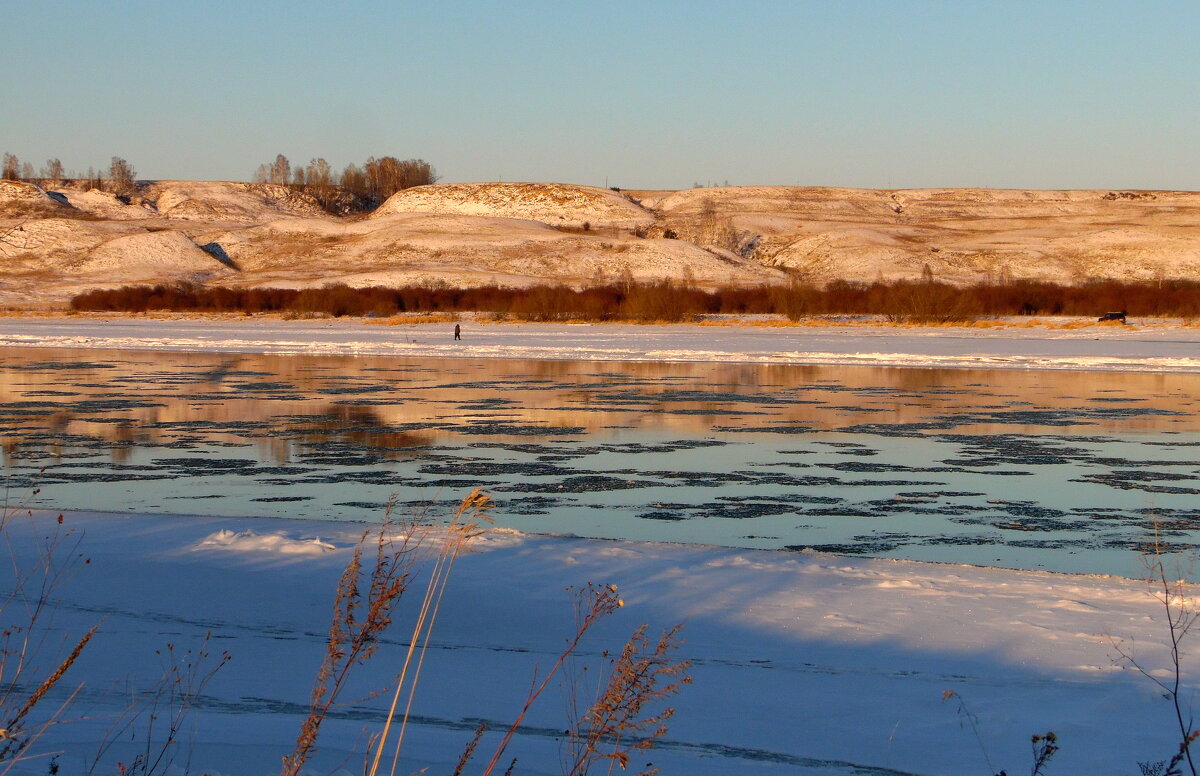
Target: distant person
x,y
457,332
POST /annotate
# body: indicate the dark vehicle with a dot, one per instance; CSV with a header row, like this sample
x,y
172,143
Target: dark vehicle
x,y
1112,317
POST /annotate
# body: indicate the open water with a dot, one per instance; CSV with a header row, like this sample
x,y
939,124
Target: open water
x,y
1063,471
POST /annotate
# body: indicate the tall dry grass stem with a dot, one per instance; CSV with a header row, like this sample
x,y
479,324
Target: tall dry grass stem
x,y
362,611
463,527
594,602
156,716
27,655
616,724
1170,589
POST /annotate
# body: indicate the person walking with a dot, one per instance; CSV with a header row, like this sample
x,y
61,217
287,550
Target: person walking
x,y
457,332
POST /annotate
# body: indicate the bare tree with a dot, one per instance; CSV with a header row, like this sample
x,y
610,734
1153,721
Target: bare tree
x,y
280,171
354,180
53,170
360,187
386,176
319,174
12,168
320,182
121,176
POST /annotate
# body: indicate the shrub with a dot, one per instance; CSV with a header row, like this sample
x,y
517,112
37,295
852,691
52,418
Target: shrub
x,y
927,301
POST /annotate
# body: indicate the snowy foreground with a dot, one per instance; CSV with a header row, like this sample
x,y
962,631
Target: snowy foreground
x,y
804,664
1139,347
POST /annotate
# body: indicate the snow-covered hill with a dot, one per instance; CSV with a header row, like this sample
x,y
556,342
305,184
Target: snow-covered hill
x,y
525,233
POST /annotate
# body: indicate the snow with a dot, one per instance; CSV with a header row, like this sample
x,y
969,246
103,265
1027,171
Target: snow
x,y
803,663
229,201
552,203
963,235
249,541
16,191
518,234
1147,347
150,255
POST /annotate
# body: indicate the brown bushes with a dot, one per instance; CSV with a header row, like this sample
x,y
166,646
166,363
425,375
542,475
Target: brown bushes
x,y
902,301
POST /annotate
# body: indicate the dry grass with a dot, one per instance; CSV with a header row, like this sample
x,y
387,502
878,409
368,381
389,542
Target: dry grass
x,y
616,724
464,526
31,665
1170,589
362,612
405,319
155,718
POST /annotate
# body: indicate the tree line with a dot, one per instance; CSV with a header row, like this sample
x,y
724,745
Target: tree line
x,y
119,177
354,188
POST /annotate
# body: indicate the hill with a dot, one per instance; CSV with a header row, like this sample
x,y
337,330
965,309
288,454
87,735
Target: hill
x,y
464,234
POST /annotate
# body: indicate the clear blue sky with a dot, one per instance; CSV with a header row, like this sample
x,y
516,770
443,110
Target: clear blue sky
x,y
998,93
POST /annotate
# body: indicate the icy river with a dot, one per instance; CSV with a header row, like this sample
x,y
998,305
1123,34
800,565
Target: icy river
x,y
1056,470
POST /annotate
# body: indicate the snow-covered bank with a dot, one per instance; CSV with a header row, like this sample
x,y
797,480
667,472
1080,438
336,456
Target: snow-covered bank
x,y
1128,348
805,664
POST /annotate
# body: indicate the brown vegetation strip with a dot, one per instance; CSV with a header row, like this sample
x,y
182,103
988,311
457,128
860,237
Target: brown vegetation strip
x,y
900,301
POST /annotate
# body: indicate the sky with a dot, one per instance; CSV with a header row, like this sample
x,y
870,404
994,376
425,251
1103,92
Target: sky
x,y
641,95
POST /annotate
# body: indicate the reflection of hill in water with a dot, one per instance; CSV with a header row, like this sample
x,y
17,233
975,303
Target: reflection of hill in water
x,y
285,404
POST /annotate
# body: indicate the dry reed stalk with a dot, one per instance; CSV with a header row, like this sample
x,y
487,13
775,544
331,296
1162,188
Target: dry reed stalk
x,y
23,634
594,602
462,529
641,675
357,624
469,750
1176,599
164,705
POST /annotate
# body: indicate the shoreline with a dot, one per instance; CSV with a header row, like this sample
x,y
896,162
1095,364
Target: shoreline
x,y
1163,348
804,663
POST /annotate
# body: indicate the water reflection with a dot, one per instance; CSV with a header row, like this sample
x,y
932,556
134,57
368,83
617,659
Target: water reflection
x,y
1052,469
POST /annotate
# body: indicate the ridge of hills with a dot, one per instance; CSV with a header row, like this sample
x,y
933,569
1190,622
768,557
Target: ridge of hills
x,y
58,242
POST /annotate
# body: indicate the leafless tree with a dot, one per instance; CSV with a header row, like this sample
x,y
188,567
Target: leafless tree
x,y
319,174
121,177
280,171
53,170
360,187
353,179
386,176
320,183
92,180
12,168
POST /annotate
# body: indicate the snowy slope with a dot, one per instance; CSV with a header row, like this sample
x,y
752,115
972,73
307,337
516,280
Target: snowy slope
x,y
552,203
524,233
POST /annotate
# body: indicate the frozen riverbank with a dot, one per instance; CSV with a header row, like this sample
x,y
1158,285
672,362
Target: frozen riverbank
x,y
804,664
807,664
1157,348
